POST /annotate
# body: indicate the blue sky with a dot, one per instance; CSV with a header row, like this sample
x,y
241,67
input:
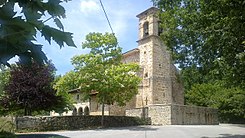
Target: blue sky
x,y
85,16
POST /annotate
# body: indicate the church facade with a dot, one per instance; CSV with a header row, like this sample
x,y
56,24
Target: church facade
x,y
161,94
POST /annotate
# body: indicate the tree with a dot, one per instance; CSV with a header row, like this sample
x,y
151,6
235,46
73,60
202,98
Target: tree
x,y
4,79
63,84
102,71
30,88
207,41
18,30
208,34
66,83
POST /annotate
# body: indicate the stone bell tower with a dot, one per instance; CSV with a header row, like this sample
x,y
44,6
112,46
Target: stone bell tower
x,y
161,95
160,84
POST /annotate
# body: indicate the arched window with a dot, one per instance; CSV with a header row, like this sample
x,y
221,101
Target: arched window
x,y
80,111
86,110
146,29
74,112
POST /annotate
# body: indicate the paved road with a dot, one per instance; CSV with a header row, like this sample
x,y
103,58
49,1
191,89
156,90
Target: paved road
x,y
175,131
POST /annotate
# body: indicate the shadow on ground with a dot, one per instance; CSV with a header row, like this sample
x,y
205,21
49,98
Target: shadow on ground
x,y
228,136
133,128
40,136
238,125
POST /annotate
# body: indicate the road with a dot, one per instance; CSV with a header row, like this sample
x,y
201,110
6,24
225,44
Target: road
x,y
173,131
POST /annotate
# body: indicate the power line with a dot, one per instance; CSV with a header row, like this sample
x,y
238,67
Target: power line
x,y
106,17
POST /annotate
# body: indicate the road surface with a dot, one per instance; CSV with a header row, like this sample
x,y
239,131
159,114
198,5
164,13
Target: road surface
x,y
173,131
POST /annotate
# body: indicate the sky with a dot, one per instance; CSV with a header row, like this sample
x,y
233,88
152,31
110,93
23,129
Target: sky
x,y
85,16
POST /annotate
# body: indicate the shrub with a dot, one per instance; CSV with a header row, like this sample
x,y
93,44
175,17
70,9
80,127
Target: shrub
x,y
5,134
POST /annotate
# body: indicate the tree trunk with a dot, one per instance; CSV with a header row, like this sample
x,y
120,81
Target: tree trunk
x,y
103,112
30,112
25,114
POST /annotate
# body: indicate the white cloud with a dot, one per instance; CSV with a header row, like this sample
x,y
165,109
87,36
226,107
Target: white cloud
x,y
89,6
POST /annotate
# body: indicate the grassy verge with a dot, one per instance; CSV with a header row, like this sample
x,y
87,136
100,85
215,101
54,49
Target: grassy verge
x,y
7,127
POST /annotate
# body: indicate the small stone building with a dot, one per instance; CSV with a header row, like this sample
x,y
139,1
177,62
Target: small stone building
x,y
81,107
161,94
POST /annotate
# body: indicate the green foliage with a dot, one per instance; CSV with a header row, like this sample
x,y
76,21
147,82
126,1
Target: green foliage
x,y
102,71
7,124
202,95
229,101
192,75
207,34
18,30
66,83
4,134
232,105
7,127
63,85
206,39
4,78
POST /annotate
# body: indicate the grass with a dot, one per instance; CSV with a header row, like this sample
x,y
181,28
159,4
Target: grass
x,y
7,127
6,124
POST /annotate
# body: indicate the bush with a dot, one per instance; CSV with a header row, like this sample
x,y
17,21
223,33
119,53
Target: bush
x,y
229,101
5,134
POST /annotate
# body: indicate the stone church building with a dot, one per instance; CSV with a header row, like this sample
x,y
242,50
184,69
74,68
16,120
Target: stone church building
x,y
160,95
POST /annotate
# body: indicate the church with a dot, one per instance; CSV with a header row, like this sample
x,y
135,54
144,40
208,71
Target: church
x,y
160,94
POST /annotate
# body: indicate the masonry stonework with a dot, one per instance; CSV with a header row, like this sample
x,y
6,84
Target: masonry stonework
x,y
74,122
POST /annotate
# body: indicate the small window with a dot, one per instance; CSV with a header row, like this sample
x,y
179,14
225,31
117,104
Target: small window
x,y
144,52
160,65
78,97
146,29
146,75
160,30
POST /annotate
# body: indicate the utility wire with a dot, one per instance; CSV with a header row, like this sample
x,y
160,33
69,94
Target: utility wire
x,y
106,16
109,23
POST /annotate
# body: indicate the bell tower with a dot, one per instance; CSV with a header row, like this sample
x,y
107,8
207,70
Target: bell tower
x,y
161,94
160,84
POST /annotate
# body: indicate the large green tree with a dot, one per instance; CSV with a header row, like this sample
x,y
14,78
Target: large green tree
x,y
18,30
103,72
30,89
207,41
209,34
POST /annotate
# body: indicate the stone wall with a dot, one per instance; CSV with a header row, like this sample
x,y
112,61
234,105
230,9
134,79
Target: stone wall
x,y
177,115
138,112
160,115
73,122
193,115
